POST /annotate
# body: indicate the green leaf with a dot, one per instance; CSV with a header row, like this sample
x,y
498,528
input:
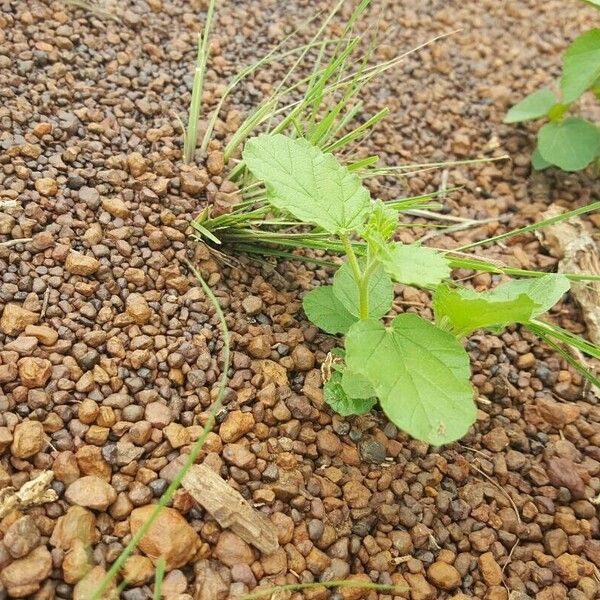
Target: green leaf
x,y
420,373
383,221
545,291
414,265
308,183
571,145
380,291
336,397
537,162
463,311
534,106
356,385
594,3
581,65
326,311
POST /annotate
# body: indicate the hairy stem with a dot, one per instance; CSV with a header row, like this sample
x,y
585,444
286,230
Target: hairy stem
x,y
361,281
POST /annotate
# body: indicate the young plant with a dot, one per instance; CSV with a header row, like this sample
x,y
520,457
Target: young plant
x,y
417,370
568,142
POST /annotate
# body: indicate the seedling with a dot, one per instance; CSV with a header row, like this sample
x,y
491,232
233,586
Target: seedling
x,y
568,142
417,370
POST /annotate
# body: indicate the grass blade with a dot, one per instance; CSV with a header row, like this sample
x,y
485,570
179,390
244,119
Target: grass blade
x,y
158,578
191,135
535,226
192,456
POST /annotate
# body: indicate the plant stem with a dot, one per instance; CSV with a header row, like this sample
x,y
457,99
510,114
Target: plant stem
x,y
361,281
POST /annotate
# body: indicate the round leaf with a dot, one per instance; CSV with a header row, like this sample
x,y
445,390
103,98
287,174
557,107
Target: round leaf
x,y
571,145
420,373
326,311
581,65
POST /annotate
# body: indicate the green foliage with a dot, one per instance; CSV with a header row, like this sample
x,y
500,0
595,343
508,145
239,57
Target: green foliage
x,y
417,370
462,311
380,291
336,396
420,374
570,143
308,183
581,65
534,106
324,309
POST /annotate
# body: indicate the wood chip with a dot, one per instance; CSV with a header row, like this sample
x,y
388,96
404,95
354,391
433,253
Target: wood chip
x,y
577,252
33,492
230,509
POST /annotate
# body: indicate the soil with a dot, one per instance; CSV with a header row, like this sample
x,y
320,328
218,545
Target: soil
x,y
109,352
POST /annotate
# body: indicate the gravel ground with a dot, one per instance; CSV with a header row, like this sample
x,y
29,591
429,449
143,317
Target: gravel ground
x,y
109,352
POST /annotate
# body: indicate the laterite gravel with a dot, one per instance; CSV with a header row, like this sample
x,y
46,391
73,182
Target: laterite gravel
x,y
109,352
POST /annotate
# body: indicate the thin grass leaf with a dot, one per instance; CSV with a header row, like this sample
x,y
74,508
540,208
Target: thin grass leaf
x,y
534,226
363,163
358,132
158,578
566,337
191,136
167,496
586,373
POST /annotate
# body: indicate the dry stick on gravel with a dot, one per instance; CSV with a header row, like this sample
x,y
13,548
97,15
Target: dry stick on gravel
x,y
192,456
229,508
15,242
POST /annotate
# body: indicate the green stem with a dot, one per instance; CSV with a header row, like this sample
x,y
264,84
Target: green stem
x,y
361,281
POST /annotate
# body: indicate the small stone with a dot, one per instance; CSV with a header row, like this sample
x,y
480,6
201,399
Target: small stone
x,y
443,576
259,347
23,345
137,164
562,473
232,549
215,162
15,319
496,440
253,305
158,414
239,456
84,590
77,523
490,569
556,542
558,414
77,562
571,568
80,264
116,207
138,309
44,334
328,443
193,181
22,537
91,492
6,438
236,425
356,494
170,536
23,577
304,359
138,570
177,435
28,439
348,593
34,372
46,186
